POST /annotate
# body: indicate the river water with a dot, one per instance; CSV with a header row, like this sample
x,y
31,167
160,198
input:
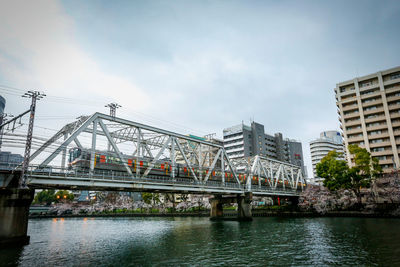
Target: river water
x,y
193,241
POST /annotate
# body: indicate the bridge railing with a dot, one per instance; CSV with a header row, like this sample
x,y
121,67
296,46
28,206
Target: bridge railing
x,y
56,172
62,174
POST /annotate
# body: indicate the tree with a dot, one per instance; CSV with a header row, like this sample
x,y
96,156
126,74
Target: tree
x,y
334,171
171,198
338,175
64,195
151,198
45,197
364,164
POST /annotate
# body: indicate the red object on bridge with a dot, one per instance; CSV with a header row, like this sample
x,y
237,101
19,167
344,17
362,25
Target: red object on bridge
x,y
279,201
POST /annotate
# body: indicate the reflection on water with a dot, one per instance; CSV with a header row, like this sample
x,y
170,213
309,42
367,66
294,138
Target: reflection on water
x,y
198,241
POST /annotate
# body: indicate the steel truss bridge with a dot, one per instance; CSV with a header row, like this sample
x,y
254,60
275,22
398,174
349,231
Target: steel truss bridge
x,y
210,169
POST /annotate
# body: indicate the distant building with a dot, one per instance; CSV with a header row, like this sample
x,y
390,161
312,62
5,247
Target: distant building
x,y
2,106
328,141
7,159
246,141
369,110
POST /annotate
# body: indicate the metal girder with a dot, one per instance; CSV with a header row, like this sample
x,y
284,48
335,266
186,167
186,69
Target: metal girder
x,y
212,165
67,129
272,171
115,147
154,129
186,160
93,150
157,157
68,141
230,167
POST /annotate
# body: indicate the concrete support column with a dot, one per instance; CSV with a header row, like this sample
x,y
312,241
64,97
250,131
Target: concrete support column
x,y
14,211
244,207
217,211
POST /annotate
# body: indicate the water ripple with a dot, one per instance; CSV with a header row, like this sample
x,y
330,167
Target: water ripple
x,y
200,242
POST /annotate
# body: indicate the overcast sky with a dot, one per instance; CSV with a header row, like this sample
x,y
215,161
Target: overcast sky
x,y
195,66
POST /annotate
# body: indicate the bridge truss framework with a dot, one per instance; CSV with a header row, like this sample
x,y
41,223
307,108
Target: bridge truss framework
x,y
123,138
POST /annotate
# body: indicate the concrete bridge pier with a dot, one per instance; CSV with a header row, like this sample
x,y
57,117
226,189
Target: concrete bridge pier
x,y
14,211
244,207
216,208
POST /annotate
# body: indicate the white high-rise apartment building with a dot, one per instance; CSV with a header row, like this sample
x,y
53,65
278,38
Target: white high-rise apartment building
x,y
328,141
369,110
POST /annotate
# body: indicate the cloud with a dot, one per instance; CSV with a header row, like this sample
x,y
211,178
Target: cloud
x,y
188,65
39,50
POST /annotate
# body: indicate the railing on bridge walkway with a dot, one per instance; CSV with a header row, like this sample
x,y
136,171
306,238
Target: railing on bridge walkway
x,y
102,148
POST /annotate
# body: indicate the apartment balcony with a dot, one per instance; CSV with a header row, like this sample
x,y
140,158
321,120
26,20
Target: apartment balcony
x,y
397,141
396,132
392,98
395,115
352,123
356,139
372,103
350,107
351,115
369,87
382,144
394,107
240,142
396,124
349,100
382,153
354,131
239,149
233,138
377,93
392,90
390,82
376,119
385,161
373,111
378,136
377,127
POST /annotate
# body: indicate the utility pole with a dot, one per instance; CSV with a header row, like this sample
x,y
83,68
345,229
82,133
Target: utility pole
x,y
3,118
113,107
35,95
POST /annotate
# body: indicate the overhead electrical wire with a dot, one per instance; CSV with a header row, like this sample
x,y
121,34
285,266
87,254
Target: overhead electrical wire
x,y
75,101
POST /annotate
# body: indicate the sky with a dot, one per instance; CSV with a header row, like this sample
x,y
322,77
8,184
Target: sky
x,y
194,66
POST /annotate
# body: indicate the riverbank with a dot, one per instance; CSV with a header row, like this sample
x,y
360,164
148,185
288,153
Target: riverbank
x,y
228,214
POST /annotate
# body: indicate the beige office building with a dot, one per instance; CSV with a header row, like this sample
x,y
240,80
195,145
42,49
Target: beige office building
x,y
369,109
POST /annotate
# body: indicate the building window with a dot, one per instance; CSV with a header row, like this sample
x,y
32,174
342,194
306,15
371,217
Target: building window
x,y
395,76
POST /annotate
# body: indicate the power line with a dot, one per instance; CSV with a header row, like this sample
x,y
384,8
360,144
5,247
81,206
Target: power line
x,y
75,101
